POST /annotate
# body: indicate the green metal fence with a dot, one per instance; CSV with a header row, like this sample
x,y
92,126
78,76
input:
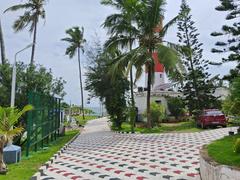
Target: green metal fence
x,y
43,122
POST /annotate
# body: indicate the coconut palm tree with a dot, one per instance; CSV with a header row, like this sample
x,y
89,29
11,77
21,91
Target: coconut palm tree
x,y
8,118
34,10
76,41
150,34
2,45
123,33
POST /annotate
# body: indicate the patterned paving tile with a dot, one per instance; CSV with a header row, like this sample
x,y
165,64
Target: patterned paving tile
x,y
113,156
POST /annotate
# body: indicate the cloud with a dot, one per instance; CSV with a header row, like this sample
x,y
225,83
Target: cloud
x,y
64,14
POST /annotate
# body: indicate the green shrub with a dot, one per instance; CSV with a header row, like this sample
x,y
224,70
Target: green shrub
x,y
66,123
237,146
232,103
176,106
158,113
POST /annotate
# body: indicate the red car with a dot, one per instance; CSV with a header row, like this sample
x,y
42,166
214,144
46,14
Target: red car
x,y
212,117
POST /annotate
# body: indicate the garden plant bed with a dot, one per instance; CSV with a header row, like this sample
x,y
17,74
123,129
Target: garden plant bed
x,y
218,160
28,166
222,151
83,122
183,127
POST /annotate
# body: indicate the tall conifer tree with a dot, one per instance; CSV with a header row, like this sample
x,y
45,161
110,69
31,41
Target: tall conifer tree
x,y
232,34
197,88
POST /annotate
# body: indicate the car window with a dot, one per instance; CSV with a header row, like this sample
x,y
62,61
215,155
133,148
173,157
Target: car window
x,y
213,113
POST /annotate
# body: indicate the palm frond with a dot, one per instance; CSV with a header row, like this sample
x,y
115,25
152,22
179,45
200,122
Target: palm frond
x,y
67,39
33,20
14,132
19,7
118,4
139,72
120,42
71,51
165,29
151,15
32,11
22,112
75,39
119,63
168,57
8,118
112,20
22,22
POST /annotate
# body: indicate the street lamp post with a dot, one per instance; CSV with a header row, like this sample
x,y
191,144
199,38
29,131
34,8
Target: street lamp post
x,y
14,73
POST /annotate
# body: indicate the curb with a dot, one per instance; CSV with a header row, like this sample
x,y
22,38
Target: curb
x,y
122,132
212,170
41,170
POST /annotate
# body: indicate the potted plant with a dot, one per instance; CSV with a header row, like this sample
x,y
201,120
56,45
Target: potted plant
x,y
8,118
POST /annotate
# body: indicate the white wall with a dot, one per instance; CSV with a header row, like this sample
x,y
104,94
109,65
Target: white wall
x,y
141,99
222,92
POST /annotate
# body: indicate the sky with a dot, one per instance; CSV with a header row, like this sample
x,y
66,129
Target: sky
x,y
64,14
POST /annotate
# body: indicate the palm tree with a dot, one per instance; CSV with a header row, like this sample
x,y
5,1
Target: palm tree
x,y
123,34
8,118
34,10
150,34
2,45
76,41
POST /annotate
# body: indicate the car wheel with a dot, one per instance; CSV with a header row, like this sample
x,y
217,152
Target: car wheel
x,y
203,126
224,126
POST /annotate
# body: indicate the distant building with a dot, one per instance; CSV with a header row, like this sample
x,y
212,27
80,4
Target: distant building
x,y
162,89
222,93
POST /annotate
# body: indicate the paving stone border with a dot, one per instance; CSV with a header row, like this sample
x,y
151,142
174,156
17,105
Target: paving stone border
x,y
41,170
211,170
123,132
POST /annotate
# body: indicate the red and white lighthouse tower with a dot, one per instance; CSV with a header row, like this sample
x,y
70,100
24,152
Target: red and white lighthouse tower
x,y
159,77
159,74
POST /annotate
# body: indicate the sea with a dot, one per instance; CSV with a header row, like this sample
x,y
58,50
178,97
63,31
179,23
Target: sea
x,y
98,111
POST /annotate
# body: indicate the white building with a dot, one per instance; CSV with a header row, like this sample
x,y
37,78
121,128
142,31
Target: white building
x,y
162,89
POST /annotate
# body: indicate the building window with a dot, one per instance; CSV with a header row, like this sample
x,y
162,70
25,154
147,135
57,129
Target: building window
x,y
160,75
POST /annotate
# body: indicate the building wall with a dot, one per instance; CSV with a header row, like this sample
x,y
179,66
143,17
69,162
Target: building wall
x,y
141,99
222,92
141,103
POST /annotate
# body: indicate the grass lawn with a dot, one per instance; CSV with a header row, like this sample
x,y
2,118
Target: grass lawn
x,y
29,166
222,151
176,127
87,118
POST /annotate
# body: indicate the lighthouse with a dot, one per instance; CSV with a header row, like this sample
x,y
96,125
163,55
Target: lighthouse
x,y
159,73
161,87
159,81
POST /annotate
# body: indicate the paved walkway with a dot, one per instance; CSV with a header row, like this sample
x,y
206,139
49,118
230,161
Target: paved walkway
x,y
101,154
98,125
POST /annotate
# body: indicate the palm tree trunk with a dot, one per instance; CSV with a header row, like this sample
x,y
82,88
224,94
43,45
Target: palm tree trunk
x,y
81,85
34,42
2,45
3,167
133,108
149,84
